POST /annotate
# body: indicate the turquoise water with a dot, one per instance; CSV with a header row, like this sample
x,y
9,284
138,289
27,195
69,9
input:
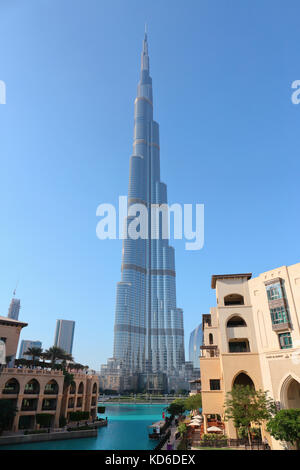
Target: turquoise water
x,y
126,430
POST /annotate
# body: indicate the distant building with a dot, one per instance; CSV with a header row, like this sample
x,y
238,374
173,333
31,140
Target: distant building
x,y
181,379
196,339
27,344
64,335
14,309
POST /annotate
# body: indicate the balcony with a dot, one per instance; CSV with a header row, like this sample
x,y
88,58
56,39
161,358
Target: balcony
x,y
209,351
284,326
237,332
49,405
29,405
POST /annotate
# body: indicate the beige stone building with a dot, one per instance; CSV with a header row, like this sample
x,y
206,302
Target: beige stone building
x,y
41,391
252,336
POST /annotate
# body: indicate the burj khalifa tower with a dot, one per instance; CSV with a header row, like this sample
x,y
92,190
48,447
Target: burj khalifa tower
x,y
148,332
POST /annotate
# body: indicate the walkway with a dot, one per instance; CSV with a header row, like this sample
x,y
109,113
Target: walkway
x,y
172,439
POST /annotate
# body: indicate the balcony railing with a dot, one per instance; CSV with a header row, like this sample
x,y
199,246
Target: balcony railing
x,y
212,349
17,370
49,407
10,391
51,392
29,408
284,326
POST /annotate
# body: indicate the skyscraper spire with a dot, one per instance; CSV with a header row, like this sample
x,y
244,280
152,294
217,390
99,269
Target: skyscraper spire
x,y
145,57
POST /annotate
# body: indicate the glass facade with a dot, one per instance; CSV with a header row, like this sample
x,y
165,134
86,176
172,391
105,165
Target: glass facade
x,y
148,333
196,340
64,335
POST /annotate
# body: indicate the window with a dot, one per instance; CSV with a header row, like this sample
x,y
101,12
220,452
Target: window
x,y
239,346
279,315
233,299
214,384
285,341
211,338
274,291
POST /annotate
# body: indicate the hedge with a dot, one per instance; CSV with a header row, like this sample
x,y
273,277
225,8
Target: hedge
x,y
79,415
44,419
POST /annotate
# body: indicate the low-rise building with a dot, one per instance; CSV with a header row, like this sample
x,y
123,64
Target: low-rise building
x,y
252,337
37,391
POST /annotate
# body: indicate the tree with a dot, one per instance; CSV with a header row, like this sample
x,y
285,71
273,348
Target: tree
x,y
182,429
8,411
177,407
68,379
246,406
285,426
34,352
193,402
54,353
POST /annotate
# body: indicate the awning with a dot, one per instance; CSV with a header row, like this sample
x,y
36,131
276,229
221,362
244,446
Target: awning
x,y
214,429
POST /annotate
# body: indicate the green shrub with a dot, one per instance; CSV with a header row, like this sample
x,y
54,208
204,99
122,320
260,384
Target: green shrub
x,y
44,419
81,428
79,415
62,421
213,437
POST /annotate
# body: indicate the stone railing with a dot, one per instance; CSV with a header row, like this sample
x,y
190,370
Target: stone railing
x,y
16,370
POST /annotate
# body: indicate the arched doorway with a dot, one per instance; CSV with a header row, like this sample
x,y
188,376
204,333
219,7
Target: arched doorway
x,y
243,379
290,393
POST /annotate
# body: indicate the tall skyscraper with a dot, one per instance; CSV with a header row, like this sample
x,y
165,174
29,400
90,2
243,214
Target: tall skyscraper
x,y
14,309
148,333
64,335
196,339
25,345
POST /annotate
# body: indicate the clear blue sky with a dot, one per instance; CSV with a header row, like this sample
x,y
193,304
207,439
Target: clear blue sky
x,y
222,74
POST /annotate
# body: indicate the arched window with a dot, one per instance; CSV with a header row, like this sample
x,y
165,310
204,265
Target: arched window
x,y
211,338
11,387
233,322
51,388
32,387
80,388
95,388
233,299
243,379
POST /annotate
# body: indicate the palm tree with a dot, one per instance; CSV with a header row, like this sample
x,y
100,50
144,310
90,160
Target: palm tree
x,y
34,352
54,353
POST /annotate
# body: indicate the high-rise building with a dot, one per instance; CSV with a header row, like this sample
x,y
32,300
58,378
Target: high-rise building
x,y
148,333
64,335
194,346
25,345
14,309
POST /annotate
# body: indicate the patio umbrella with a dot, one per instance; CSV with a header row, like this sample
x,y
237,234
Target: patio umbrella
x,y
214,429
